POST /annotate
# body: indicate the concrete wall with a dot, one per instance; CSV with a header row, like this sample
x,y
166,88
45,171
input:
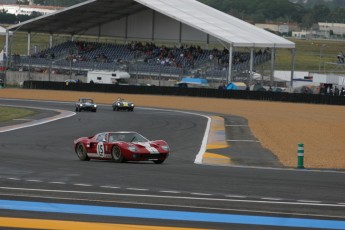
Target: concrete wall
x,y
17,78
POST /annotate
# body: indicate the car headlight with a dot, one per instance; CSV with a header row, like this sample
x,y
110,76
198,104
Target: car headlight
x,y
81,105
165,147
94,105
118,104
133,149
132,105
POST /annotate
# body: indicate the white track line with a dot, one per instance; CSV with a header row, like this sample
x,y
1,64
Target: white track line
x,y
62,114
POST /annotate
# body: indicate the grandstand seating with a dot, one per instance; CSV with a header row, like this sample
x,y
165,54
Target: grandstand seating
x,y
143,59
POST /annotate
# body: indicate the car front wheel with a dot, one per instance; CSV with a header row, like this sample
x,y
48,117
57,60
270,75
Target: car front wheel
x,y
117,154
81,152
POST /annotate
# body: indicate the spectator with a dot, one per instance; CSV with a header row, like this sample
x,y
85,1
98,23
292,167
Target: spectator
x,y
342,92
340,57
222,86
322,89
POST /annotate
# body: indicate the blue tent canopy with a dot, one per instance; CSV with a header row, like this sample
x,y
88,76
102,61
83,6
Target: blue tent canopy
x,y
199,81
236,86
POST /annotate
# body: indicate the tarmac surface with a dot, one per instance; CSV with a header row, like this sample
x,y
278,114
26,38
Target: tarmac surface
x,y
279,127
42,179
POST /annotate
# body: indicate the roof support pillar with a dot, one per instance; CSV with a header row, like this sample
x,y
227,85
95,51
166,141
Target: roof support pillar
x,y
273,57
126,29
180,34
7,60
50,40
293,56
153,25
7,44
230,65
251,64
29,44
99,31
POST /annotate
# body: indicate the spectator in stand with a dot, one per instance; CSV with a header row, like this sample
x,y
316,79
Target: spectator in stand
x,y
330,90
222,86
340,58
322,89
342,91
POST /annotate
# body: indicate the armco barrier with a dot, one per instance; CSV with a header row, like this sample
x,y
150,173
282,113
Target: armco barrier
x,y
192,92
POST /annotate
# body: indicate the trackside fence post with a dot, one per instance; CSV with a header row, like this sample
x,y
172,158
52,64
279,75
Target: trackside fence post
x,y
300,156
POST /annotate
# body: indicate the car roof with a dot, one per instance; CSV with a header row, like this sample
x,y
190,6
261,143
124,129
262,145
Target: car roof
x,y
123,132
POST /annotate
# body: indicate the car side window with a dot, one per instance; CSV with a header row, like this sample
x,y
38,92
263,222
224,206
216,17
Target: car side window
x,y
100,137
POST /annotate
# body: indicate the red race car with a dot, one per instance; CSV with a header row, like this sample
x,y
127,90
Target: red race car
x,y
121,147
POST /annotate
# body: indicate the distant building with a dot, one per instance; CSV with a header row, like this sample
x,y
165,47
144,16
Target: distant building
x,y
28,9
278,27
332,29
8,1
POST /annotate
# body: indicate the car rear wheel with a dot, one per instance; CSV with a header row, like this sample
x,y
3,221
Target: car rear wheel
x,y
117,154
159,161
81,152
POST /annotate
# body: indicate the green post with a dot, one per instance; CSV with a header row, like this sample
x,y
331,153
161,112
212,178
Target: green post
x,y
300,154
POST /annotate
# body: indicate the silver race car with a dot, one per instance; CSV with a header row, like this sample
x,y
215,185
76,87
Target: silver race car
x,y
85,104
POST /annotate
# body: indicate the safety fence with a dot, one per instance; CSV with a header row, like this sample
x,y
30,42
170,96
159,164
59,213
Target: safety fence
x,y
192,92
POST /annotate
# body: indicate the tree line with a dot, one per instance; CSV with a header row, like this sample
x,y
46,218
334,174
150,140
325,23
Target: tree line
x,y
260,11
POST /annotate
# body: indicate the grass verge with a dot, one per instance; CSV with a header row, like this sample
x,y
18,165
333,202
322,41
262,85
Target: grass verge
x,y
7,113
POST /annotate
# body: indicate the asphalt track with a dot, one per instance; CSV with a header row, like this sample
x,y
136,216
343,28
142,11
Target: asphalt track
x,y
235,184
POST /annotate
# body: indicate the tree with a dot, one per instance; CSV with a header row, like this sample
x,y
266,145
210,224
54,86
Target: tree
x,y
307,21
22,2
321,13
338,15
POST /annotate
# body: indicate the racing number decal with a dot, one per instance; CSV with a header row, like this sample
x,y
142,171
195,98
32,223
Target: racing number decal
x,y
100,149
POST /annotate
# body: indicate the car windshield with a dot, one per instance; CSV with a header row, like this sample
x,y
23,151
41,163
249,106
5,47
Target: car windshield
x,y
127,137
86,100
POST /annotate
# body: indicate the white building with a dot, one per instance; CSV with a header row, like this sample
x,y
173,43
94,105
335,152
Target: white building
x,y
282,28
336,28
28,9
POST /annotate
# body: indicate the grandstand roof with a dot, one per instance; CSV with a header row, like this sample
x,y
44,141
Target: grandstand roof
x,y
189,15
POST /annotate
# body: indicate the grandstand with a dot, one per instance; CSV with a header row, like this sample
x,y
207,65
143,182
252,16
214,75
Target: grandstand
x,y
136,58
180,25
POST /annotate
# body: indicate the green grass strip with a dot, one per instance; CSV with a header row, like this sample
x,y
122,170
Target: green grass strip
x,y
8,113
